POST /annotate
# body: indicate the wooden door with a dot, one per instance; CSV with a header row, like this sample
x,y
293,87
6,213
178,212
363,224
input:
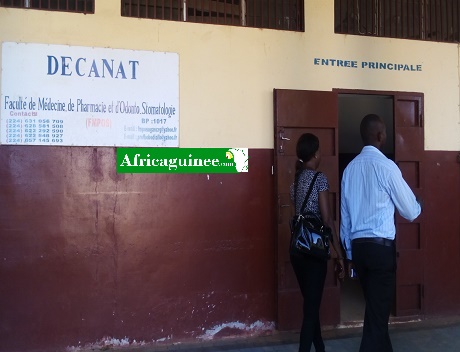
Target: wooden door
x,y
409,152
297,112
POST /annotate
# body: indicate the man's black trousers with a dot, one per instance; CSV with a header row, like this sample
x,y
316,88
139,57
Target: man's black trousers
x,y
375,265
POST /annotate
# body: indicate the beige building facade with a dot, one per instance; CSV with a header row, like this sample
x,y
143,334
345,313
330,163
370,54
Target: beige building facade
x,y
89,254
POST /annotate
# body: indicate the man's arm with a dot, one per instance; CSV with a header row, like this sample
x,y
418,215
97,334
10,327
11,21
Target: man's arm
x,y
402,196
345,227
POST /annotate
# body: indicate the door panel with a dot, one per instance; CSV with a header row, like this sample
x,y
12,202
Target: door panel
x,y
292,107
411,172
297,112
409,153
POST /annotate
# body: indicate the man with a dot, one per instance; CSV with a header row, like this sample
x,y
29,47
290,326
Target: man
x,y
372,187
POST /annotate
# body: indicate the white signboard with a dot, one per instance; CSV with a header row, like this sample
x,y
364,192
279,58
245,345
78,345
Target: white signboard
x,y
79,96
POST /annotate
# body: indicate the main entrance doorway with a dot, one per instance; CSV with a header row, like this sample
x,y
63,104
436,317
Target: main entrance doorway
x,y
334,117
351,109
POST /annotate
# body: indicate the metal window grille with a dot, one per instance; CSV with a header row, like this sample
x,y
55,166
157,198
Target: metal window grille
x,y
274,14
82,6
431,20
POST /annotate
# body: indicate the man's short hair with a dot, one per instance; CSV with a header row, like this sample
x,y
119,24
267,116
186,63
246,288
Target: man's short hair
x,y
371,125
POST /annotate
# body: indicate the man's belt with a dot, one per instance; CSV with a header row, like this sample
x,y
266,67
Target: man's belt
x,y
377,240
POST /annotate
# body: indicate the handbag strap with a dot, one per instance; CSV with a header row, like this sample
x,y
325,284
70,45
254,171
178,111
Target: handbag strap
x,y
307,195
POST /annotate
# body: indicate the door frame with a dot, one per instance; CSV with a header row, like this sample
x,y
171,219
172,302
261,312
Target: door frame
x,y
399,221
395,96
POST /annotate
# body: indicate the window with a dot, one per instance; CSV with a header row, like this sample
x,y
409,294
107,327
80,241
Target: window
x,y
275,14
83,6
433,20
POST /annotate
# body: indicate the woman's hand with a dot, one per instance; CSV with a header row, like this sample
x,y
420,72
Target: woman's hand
x,y
340,268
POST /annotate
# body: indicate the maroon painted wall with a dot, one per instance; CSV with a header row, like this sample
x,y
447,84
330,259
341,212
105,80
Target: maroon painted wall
x,y
87,253
442,247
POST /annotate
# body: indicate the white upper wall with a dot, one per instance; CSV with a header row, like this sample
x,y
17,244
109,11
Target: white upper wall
x,y
227,74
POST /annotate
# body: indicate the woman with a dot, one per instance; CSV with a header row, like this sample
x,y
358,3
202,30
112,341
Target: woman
x,y
311,272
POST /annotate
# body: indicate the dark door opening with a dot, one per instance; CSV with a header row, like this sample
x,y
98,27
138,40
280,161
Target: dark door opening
x,y
403,115
351,109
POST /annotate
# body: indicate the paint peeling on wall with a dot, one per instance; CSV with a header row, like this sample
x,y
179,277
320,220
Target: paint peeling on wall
x,y
106,343
252,329
230,329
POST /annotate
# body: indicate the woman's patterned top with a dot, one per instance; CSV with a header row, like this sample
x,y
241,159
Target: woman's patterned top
x,y
305,178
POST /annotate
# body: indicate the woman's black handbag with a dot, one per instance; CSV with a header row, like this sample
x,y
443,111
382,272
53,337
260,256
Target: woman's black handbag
x,y
308,233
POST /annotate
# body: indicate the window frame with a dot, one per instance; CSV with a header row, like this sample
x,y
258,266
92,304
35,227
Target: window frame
x,y
425,20
267,14
52,5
